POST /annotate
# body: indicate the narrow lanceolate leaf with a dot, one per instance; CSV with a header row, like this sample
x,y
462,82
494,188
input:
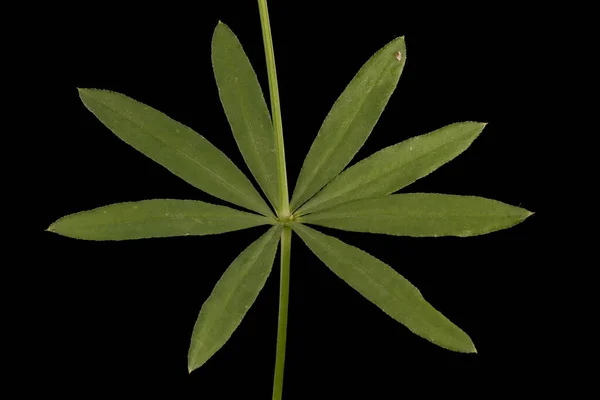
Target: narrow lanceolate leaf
x,y
351,120
175,146
155,218
395,167
384,287
246,110
421,214
231,298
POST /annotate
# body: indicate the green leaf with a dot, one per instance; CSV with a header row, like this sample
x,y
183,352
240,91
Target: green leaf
x,y
231,298
421,214
155,218
384,287
395,167
175,146
351,120
246,110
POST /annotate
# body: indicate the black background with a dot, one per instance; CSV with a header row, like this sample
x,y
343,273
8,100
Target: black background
x,y
117,317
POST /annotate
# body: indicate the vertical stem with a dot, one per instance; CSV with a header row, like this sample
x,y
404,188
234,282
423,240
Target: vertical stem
x,y
284,205
284,294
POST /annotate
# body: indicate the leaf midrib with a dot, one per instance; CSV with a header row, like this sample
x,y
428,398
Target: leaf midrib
x,y
146,219
396,216
149,132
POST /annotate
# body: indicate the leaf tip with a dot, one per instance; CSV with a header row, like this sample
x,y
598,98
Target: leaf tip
x,y
50,228
219,30
473,128
191,365
476,125
84,92
468,347
221,25
474,349
524,213
400,54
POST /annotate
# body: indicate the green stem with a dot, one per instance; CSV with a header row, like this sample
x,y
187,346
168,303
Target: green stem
x,y
284,295
284,204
